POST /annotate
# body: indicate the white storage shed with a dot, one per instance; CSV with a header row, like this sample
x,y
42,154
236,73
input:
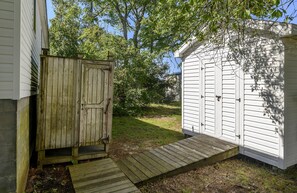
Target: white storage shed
x,y
245,93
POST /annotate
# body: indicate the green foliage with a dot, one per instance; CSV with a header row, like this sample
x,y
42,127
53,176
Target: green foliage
x,y
205,19
138,84
65,28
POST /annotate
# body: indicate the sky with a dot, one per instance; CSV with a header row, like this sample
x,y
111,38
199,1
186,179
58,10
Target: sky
x,y
291,10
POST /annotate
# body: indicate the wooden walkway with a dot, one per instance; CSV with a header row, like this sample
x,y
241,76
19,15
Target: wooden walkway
x,y
106,176
175,158
100,176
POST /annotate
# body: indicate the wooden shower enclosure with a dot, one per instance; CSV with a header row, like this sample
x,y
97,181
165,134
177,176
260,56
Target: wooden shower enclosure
x,y
74,109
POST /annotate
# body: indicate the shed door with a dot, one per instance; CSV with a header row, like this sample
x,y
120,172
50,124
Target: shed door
x,y
221,108
94,102
230,102
209,110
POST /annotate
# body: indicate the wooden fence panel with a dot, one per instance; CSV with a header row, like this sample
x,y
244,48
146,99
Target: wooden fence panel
x,y
74,103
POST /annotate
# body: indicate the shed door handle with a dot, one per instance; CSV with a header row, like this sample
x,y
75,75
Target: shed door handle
x,y
218,97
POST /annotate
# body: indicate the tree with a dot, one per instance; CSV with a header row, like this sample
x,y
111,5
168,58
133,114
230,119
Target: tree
x,y
205,19
65,28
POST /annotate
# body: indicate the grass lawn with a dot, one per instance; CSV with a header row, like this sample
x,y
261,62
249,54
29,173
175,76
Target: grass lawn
x,y
160,125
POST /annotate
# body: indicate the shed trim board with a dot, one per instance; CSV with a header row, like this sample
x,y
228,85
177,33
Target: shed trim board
x,y
218,97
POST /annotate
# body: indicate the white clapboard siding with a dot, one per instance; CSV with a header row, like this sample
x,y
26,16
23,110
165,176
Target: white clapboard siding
x,y
209,97
30,46
260,137
290,103
7,22
228,100
191,94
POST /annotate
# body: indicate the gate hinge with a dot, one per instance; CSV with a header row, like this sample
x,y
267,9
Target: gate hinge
x,y
202,96
238,136
239,99
202,68
105,140
202,124
107,105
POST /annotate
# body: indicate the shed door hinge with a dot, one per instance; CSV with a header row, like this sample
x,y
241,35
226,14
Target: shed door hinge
x,y
107,105
105,140
202,124
239,99
238,136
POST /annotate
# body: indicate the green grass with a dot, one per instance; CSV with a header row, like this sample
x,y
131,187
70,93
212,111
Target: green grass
x,y
161,124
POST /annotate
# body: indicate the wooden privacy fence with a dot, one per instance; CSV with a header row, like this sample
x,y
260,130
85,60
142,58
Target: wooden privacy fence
x,y
74,109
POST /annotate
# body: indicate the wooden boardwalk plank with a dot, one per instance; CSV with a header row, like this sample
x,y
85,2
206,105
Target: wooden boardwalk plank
x,y
128,172
164,165
142,168
134,169
107,176
100,176
177,157
145,162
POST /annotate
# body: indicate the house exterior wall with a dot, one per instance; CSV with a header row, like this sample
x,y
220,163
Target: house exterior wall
x,y
209,71
290,133
20,48
8,119
8,38
30,48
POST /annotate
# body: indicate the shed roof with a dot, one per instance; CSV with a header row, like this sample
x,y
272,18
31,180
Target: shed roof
x,y
280,28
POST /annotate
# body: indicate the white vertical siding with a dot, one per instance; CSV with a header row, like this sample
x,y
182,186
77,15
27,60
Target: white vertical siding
x,y
290,139
30,46
7,22
191,93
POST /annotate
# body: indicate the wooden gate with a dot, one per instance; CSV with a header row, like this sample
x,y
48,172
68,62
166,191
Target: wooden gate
x,y
74,109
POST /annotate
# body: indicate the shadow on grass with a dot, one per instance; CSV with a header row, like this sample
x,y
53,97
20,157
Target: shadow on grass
x,y
156,131
162,110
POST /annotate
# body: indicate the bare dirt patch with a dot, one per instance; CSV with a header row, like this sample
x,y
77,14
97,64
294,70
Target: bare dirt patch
x,y
51,179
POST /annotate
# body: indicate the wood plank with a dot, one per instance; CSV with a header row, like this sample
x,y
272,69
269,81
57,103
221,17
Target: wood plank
x,y
170,157
181,152
188,150
135,170
164,166
176,155
100,179
211,145
210,150
199,150
148,164
141,167
115,187
100,176
165,159
189,146
134,178
173,156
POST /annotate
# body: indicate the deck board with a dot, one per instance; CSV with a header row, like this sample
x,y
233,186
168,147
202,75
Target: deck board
x,y
100,176
175,158
122,176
